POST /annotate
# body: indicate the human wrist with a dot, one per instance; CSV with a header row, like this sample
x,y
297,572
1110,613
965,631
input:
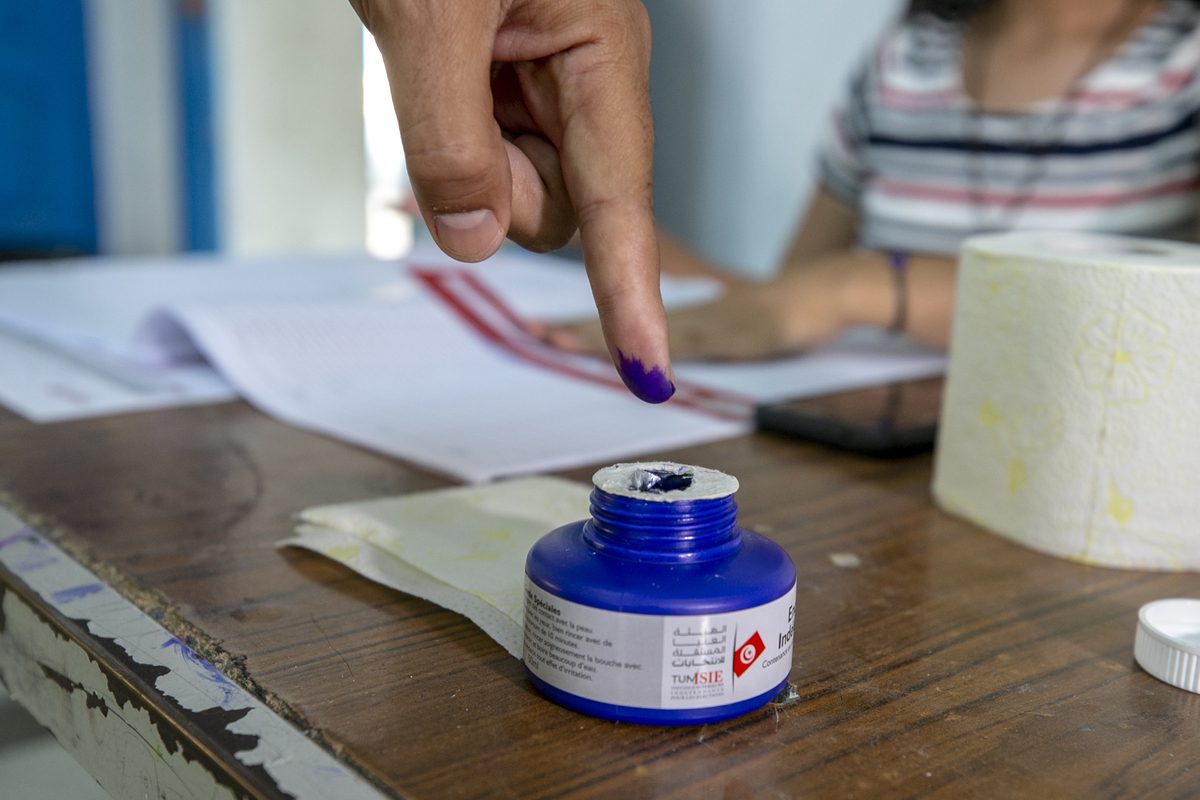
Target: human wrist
x,y
867,289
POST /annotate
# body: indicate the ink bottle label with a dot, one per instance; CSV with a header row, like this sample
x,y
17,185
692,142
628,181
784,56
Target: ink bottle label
x,y
658,662
659,609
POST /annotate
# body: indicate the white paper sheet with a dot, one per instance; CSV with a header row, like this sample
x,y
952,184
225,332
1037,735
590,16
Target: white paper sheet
x,y
79,338
416,384
45,385
463,548
424,360
861,357
97,307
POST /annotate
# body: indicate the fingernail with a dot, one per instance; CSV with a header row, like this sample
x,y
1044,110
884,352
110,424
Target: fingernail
x,y
468,235
651,385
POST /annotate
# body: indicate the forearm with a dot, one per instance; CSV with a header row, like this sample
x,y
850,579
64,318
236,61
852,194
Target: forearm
x,y
828,226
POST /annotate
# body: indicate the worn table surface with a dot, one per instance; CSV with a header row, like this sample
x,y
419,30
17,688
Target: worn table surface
x,y
949,662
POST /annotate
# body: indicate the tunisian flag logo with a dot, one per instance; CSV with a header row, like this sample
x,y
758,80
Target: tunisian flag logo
x,y
747,653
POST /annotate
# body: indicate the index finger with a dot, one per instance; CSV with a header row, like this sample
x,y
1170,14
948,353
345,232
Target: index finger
x,y
607,160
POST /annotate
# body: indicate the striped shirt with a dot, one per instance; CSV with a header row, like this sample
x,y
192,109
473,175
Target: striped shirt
x,y
1118,153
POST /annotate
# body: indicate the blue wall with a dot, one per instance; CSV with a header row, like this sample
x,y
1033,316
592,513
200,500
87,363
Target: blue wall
x,y
46,176
742,94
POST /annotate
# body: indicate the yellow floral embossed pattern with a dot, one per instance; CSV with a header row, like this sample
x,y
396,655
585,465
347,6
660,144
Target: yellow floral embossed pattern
x,y
1021,437
1125,356
1118,535
1120,507
1006,292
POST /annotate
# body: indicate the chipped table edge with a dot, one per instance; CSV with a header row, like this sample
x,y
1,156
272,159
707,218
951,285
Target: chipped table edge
x,y
71,691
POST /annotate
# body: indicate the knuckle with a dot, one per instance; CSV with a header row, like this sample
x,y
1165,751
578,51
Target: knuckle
x,y
627,29
449,173
636,202
639,26
546,239
612,296
552,229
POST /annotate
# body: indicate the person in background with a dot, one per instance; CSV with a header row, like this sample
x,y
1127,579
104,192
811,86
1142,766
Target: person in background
x,y
526,119
968,117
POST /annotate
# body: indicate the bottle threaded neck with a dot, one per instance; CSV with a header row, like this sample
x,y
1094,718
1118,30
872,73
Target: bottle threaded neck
x,y
680,531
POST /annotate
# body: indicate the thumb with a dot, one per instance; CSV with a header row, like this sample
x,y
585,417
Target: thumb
x,y
438,59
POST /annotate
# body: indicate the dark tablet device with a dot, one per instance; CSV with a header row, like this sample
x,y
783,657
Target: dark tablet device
x,y
893,420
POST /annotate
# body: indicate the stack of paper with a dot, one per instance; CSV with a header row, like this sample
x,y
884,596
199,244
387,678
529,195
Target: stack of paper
x,y
73,336
424,359
463,549
44,383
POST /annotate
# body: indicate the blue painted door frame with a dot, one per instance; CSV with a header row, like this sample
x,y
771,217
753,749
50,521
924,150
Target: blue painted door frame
x,y
47,173
47,203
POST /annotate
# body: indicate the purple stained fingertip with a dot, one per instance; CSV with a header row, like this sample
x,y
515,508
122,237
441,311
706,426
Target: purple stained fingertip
x,y
651,385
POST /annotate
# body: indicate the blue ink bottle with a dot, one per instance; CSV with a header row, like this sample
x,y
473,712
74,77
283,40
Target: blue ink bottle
x,y
659,609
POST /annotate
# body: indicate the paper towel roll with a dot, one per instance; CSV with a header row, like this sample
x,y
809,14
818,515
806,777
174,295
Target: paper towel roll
x,y
1071,419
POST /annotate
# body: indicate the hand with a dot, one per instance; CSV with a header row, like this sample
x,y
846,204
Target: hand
x,y
525,118
791,313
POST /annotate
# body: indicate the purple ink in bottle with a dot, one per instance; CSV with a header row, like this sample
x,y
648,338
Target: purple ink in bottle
x,y
659,609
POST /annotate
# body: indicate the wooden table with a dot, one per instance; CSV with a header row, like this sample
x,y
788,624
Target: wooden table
x,y
947,662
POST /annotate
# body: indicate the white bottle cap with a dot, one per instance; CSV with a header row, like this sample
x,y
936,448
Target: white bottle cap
x,y
1168,642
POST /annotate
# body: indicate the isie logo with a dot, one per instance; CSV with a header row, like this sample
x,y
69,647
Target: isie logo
x,y
713,676
747,653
